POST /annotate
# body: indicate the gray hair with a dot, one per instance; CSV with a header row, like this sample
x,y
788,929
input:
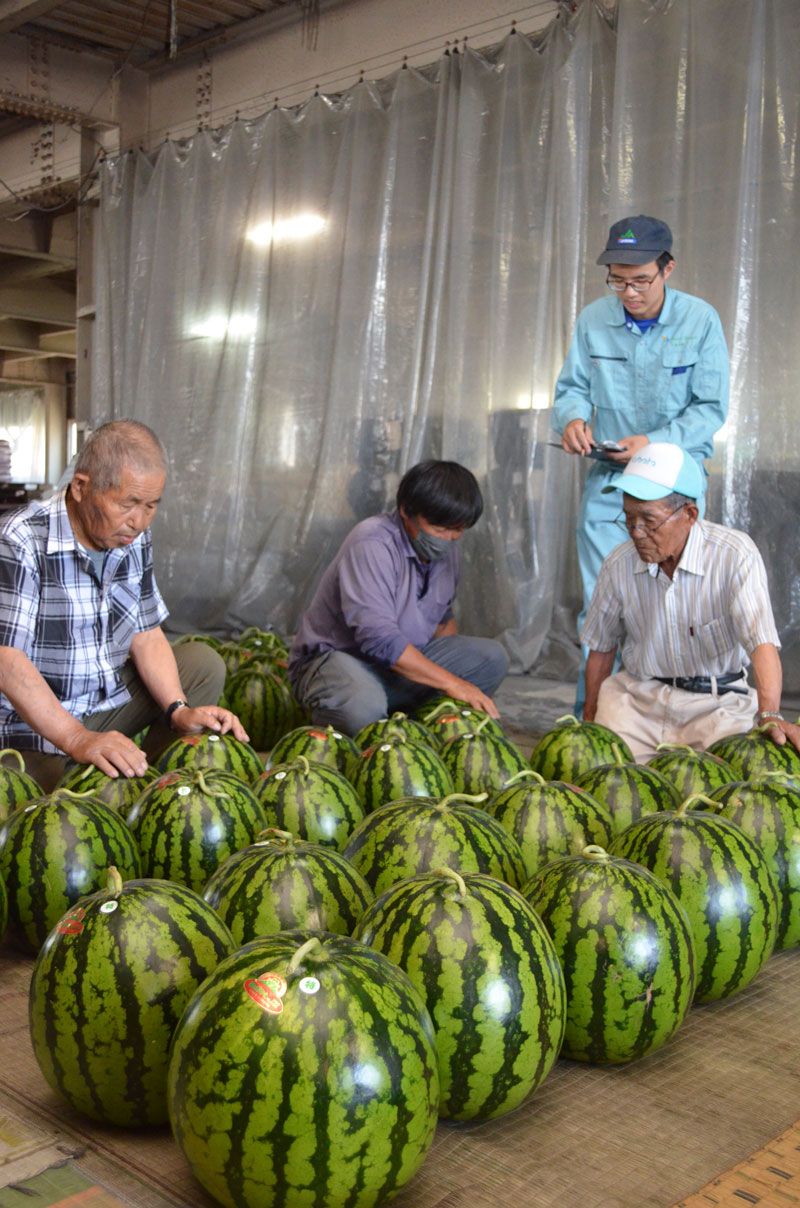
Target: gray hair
x,y
113,447
676,500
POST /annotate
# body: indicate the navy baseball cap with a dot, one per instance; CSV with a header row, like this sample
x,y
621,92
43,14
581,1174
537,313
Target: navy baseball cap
x,y
636,241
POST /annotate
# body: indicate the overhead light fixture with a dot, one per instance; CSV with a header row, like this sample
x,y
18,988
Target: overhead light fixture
x,y
221,327
303,226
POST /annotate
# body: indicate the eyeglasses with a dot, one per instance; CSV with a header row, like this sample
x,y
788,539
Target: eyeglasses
x,y
640,284
633,524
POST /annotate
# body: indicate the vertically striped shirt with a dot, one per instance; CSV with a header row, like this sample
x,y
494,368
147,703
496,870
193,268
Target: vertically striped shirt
x,y
706,620
75,630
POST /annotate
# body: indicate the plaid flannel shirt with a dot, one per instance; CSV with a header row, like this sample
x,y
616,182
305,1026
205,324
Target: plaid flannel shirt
x,y
75,631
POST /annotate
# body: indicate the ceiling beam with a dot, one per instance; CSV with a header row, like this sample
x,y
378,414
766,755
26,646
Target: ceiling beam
x,y
14,13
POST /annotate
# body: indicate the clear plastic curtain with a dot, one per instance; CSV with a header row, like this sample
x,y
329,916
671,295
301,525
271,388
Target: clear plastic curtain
x,y
426,242
23,424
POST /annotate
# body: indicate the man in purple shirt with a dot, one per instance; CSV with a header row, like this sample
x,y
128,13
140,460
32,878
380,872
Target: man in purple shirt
x,y
380,634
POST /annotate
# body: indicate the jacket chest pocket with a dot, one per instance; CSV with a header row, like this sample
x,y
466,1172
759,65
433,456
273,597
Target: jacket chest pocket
x,y
608,375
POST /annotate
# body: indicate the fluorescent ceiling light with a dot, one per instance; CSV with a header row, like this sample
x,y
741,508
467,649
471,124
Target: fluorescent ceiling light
x,y
220,327
303,226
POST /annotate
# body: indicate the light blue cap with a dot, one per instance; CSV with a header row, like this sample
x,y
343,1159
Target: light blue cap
x,y
657,470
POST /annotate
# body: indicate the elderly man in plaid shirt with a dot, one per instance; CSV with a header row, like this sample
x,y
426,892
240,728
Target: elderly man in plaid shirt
x,y
84,662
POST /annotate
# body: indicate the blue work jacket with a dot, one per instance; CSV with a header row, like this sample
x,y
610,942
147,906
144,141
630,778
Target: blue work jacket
x,y
669,383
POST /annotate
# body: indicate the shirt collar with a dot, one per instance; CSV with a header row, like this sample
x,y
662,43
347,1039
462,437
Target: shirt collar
x,y
619,318
61,538
692,559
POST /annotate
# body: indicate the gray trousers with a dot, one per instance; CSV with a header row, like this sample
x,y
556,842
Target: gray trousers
x,y
202,675
347,692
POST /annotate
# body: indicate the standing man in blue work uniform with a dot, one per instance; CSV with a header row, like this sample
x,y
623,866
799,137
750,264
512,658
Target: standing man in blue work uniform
x,y
647,363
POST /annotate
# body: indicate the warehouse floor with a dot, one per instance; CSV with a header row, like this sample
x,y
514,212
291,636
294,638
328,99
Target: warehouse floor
x,y
710,1119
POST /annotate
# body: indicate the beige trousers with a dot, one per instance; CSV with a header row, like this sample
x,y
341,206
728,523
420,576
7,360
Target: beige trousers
x,y
647,712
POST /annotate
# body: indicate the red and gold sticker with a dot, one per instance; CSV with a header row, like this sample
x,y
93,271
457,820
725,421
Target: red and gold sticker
x,y
170,778
318,734
191,740
72,923
267,992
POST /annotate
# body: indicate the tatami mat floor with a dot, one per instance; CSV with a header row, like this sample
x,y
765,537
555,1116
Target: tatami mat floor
x,y
708,1121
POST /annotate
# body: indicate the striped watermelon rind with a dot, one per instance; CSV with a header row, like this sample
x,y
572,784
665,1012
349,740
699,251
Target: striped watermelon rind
x,y
417,834
399,725
318,745
725,885
280,883
486,967
399,767
118,792
768,809
310,800
572,747
53,852
626,948
691,771
16,786
753,754
629,791
481,762
188,822
549,818
107,991
312,1083
221,751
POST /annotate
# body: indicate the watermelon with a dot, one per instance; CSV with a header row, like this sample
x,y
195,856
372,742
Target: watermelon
x,y
281,883
263,704
628,791
487,970
626,948
481,762
310,800
769,811
262,641
16,786
753,754
234,656
214,643
323,746
573,747
396,726
3,908
399,768
691,771
724,883
52,853
212,751
549,818
107,991
187,822
304,1072
120,792
445,720
419,834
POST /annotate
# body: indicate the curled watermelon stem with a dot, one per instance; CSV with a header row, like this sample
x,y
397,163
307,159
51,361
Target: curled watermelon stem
x,y
676,746
302,763
445,801
617,753
529,772
113,881
568,717
300,955
273,832
202,783
593,852
20,762
452,875
687,804
71,795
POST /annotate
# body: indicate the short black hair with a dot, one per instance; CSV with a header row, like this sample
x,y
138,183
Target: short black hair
x,y
442,492
663,260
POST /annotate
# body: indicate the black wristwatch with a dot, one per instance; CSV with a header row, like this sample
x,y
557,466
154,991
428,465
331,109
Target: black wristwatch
x,y
170,709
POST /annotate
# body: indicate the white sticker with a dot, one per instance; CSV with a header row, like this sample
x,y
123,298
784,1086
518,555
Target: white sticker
x,y
109,907
184,790
213,738
309,985
387,746
280,775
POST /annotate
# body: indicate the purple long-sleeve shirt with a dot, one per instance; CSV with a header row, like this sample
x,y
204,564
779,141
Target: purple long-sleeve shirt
x,y
376,597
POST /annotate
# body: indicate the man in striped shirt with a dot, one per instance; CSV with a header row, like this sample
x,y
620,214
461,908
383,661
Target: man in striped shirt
x,y
689,603
84,662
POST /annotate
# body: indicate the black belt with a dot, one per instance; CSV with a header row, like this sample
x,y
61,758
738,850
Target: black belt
x,y
702,683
